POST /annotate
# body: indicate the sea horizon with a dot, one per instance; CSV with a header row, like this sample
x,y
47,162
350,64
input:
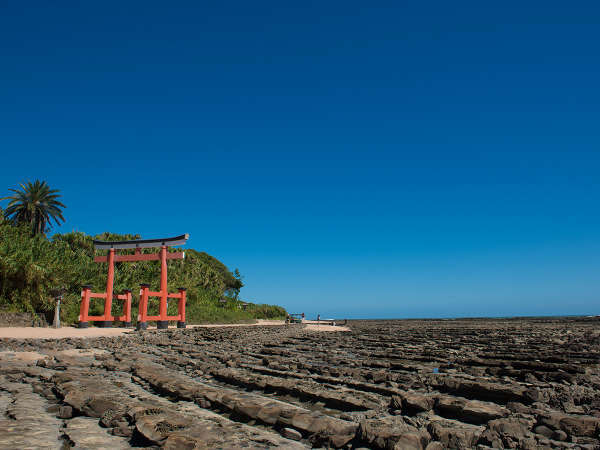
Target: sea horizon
x,y
550,316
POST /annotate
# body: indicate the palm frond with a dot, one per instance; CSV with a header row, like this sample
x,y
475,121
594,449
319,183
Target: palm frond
x,y
36,204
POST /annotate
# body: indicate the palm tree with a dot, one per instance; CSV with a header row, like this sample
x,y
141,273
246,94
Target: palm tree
x,y
35,204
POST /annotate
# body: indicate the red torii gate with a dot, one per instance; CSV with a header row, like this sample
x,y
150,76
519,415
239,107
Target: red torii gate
x,y
162,320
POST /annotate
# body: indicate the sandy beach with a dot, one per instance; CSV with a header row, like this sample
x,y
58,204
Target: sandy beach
x,y
73,332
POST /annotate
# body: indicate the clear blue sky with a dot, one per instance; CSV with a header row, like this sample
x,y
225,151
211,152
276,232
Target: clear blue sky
x,y
359,159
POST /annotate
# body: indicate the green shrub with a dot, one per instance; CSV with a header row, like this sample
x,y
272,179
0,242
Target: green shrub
x,y
33,267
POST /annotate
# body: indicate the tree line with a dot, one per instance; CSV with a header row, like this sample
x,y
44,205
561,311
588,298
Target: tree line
x,y
34,267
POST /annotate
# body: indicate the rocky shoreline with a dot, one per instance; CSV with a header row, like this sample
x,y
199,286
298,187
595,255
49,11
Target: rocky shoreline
x,y
385,384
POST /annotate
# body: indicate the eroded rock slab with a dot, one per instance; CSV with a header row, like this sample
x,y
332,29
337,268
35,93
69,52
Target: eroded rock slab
x,y
387,384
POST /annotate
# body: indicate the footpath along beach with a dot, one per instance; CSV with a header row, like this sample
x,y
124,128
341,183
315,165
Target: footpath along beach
x,y
519,383
73,332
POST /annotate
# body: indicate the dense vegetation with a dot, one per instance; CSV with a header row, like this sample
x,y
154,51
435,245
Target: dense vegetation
x,y
33,268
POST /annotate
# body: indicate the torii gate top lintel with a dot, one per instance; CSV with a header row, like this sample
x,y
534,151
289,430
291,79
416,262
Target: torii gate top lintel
x,y
142,243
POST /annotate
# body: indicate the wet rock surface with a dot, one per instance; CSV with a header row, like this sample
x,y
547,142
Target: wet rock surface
x,y
385,384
